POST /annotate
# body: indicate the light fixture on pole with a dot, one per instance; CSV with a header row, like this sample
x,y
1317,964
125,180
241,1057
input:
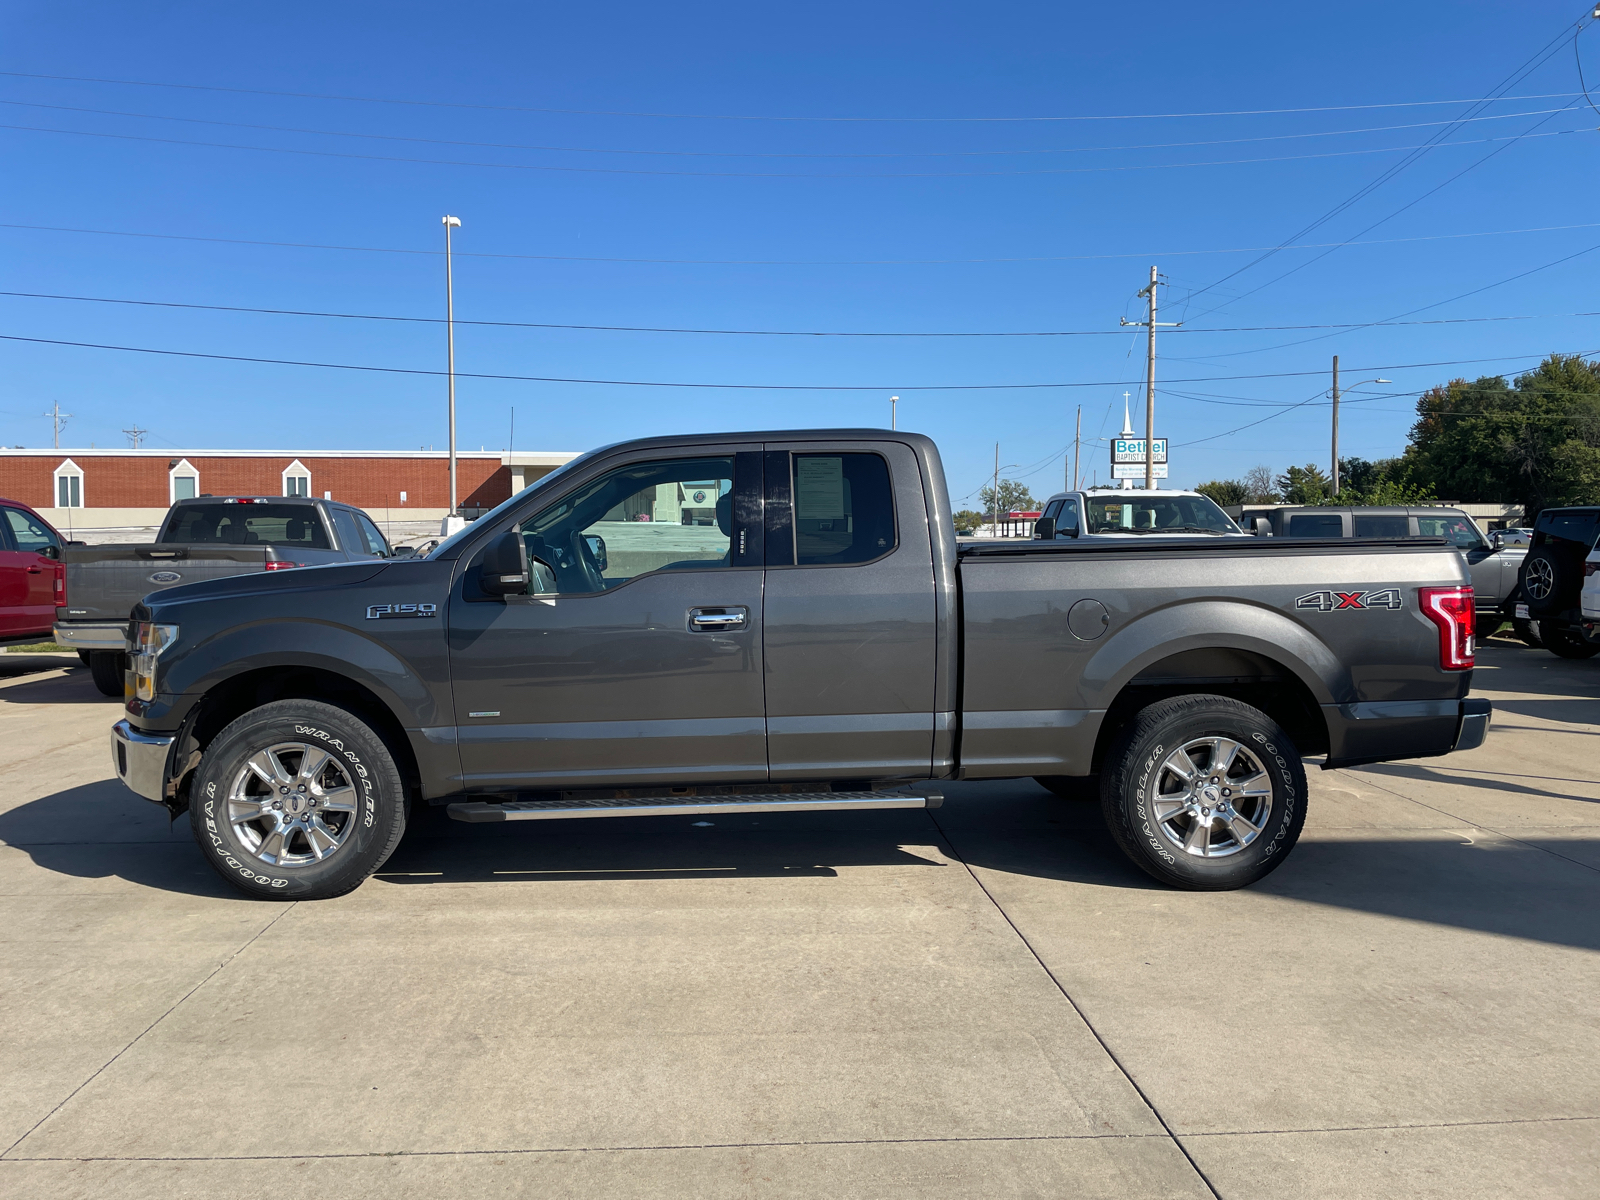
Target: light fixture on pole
x,y
450,352
1336,418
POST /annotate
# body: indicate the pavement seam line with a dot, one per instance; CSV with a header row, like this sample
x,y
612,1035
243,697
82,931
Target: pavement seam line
x,y
1388,1128
210,975
1479,825
1082,1016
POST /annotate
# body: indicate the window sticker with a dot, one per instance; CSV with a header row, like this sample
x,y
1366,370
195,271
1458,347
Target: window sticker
x,y
819,487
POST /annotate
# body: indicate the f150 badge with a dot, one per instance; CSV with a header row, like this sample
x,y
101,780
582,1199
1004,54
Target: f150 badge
x,y
1337,601
385,612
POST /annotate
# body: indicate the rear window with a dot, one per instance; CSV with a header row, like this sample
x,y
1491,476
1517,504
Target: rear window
x,y
291,525
1575,525
1316,525
1382,525
843,509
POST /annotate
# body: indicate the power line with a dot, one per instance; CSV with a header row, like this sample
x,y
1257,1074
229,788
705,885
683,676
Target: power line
x,y
765,387
571,170
592,112
385,137
801,333
782,262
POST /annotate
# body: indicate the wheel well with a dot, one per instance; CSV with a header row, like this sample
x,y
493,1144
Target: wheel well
x,y
234,697
1241,675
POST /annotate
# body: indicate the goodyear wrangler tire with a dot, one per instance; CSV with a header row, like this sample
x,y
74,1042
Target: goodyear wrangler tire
x,y
1204,793
297,800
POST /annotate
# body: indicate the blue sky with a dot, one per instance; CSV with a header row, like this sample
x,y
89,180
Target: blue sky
x,y
632,156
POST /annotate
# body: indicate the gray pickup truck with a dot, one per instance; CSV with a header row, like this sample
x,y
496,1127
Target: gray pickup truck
x,y
209,537
768,622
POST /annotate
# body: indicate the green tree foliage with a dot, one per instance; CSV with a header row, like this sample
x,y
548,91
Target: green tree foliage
x,y
1225,491
1381,482
967,521
1305,485
1535,441
1014,497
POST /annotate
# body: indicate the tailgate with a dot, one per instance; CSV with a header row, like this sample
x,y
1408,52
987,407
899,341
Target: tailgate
x,y
105,582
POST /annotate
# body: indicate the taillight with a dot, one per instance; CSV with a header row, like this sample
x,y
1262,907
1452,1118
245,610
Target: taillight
x,y
1589,568
61,587
1450,608
281,566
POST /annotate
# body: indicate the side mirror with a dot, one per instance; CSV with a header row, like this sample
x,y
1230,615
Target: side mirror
x,y
597,550
403,552
1263,527
1044,529
51,552
504,571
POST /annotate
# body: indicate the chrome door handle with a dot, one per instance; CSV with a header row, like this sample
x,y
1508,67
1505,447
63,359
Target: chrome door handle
x,y
717,620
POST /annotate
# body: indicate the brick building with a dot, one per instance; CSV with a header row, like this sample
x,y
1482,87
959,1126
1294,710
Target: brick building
x,y
109,489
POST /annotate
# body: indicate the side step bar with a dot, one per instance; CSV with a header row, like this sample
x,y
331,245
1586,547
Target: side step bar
x,y
661,806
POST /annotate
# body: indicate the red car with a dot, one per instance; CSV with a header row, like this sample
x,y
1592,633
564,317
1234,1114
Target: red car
x,y
32,578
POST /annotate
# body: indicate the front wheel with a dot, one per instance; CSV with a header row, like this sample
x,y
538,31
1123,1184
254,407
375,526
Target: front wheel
x,y
106,668
297,800
1204,793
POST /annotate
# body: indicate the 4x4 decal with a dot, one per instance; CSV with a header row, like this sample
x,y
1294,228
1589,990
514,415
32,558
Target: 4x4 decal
x,y
1336,601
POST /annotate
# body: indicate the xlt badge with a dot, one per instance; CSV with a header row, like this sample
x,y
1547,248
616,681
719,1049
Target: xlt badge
x,y
384,612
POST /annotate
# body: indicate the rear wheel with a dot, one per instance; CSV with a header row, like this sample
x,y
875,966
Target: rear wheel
x,y
1564,643
1528,631
1204,793
297,800
107,668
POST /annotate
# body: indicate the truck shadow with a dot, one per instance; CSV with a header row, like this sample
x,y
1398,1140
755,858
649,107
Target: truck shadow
x,y
1015,828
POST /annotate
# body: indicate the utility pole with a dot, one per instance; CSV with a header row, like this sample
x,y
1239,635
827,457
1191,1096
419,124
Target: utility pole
x,y
1149,293
59,418
450,349
995,499
1335,424
1077,440
135,435
894,402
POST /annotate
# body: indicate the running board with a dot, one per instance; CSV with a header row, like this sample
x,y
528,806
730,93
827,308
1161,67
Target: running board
x,y
660,806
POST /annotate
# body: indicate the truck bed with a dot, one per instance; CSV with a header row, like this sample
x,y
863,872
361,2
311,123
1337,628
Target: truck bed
x,y
105,582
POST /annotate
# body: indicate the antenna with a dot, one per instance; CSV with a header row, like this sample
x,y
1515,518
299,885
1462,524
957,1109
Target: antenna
x,y
136,435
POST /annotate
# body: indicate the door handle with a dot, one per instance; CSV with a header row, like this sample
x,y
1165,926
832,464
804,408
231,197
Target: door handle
x,y
35,570
717,620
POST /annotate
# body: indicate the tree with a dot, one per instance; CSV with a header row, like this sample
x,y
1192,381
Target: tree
x,y
967,521
1014,497
1381,482
1258,483
1225,491
1305,485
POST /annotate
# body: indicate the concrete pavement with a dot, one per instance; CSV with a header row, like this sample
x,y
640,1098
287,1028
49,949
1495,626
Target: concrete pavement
x,y
985,1000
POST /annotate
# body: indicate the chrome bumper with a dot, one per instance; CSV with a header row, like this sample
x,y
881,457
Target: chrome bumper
x,y
92,637
140,760
1475,716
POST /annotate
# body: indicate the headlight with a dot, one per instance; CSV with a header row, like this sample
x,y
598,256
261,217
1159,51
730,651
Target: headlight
x,y
149,640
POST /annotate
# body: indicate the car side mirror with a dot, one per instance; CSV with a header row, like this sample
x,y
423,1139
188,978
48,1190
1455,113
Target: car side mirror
x,y
1262,527
403,552
597,549
504,571
51,552
1044,529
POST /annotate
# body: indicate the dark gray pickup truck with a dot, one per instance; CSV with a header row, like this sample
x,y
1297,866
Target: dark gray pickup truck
x,y
209,537
772,622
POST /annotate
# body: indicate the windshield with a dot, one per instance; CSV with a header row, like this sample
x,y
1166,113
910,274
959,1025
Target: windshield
x,y
1128,512
455,538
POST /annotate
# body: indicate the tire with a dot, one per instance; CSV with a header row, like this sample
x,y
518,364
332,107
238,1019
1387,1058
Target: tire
x,y
1552,578
107,668
83,657
1071,787
1529,632
1486,625
324,849
1167,839
1563,643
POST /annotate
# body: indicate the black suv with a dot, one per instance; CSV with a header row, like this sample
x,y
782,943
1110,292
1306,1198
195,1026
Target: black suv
x,y
1551,579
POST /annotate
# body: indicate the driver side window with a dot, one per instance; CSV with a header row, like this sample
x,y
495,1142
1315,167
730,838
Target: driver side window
x,y
666,515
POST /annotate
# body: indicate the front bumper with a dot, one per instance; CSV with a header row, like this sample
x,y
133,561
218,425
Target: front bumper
x,y
100,635
140,760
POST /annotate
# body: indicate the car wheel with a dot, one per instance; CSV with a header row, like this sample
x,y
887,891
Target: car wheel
x,y
1551,579
1528,631
1204,793
1071,787
106,668
83,657
1563,643
297,800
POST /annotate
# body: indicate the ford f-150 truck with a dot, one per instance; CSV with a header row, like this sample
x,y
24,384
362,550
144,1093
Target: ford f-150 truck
x,y
784,621
207,537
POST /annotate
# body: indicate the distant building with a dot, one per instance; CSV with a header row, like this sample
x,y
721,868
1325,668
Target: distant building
x,y
111,489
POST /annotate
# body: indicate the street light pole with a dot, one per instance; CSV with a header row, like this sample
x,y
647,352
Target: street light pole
x,y
450,345
1336,418
894,402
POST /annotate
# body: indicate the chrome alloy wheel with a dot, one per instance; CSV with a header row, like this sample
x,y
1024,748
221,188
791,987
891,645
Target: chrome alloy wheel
x,y
1539,580
292,805
1211,797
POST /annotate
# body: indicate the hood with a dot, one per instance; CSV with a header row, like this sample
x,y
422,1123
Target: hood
x,y
258,583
